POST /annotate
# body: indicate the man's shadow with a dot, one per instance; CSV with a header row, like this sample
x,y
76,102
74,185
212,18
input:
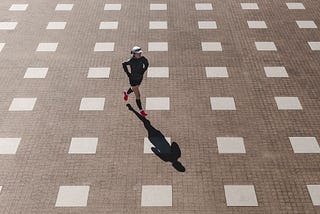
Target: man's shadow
x,y
161,146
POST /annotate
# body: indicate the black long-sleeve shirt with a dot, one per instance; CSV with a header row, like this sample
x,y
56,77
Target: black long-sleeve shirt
x,y
137,65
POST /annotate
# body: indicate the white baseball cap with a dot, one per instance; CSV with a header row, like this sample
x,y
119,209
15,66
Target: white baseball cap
x,y
136,49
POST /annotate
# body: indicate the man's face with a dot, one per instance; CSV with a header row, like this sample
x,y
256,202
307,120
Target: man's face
x,y
137,55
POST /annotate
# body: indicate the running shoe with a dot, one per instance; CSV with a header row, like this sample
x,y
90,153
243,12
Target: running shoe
x,y
125,96
143,113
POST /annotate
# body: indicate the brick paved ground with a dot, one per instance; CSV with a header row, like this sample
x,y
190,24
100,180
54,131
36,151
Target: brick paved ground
x,y
245,114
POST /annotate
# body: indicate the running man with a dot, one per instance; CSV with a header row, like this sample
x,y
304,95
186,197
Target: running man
x,y
138,65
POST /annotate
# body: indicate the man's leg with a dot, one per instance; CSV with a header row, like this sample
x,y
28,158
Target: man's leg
x,y
129,91
137,93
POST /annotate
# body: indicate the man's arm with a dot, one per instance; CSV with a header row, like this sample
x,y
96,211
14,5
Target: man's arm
x,y
125,68
146,64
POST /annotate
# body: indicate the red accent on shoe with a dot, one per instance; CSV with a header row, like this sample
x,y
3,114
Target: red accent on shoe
x,y
125,96
143,113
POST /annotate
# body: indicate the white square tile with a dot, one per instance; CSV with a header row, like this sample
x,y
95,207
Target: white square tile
x,y
203,6
83,145
2,46
265,46
314,192
257,24
102,72
108,25
306,24
8,25
104,46
147,145
216,72
222,103
50,47
9,145
22,104
56,25
295,6
304,144
207,25
158,72
158,25
275,71
157,103
288,103
72,196
249,6
211,46
64,7
0,189
92,104
112,7
156,195
158,6
18,7
315,46
240,195
230,145
157,46
36,73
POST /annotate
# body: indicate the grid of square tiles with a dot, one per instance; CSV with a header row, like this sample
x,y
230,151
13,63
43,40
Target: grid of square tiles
x,y
244,195
163,46
236,195
77,196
